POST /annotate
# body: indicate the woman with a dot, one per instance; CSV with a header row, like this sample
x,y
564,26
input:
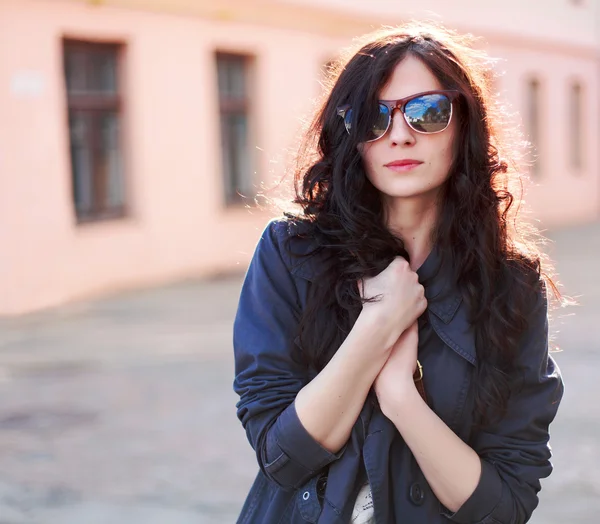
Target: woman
x,y
391,341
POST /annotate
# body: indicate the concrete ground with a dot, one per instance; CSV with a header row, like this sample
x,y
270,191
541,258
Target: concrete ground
x,y
121,411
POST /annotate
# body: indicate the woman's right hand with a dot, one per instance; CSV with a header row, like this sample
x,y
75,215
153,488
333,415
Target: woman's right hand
x,y
401,300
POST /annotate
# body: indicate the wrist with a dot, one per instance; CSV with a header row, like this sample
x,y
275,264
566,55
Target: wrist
x,y
365,348
404,395
368,326
374,326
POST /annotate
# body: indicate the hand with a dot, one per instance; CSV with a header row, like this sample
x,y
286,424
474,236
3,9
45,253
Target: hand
x,y
397,373
401,300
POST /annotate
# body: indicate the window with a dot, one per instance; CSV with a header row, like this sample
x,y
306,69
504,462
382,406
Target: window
x,y
575,129
234,106
533,123
95,115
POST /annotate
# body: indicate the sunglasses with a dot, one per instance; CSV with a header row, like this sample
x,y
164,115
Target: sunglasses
x,y
428,113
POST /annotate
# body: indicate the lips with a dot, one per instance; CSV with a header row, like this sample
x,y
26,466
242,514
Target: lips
x,y
403,166
404,163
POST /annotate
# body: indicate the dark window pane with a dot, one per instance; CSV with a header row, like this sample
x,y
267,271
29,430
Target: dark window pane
x,y
75,71
81,161
222,72
227,159
232,76
109,160
91,71
103,72
243,172
236,162
237,79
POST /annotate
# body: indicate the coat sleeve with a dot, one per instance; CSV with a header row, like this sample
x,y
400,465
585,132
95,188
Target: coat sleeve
x,y
267,378
515,452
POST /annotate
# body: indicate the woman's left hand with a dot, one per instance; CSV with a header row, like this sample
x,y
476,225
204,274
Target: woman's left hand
x,y
397,373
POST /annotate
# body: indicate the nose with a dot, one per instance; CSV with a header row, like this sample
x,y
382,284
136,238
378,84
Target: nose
x,y
400,133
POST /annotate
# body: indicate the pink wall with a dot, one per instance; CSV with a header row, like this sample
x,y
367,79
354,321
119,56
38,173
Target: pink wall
x,y
559,195
561,21
177,226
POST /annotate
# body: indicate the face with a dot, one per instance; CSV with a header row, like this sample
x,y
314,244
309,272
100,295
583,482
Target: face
x,y
432,153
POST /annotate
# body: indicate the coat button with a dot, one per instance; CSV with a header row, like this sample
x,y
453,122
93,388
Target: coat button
x,y
417,495
305,495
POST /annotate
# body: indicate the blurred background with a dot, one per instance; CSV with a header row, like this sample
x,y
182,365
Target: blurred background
x,y
133,137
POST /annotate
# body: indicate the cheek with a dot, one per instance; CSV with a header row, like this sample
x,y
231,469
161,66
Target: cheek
x,y
446,155
440,163
368,153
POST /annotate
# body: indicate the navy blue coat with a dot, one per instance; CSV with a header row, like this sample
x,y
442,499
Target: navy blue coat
x,y
299,481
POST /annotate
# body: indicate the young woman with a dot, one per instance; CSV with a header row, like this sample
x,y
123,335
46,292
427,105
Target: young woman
x,y
391,340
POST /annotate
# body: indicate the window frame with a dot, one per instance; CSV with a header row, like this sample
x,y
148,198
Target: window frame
x,y
231,196
94,104
533,124
576,118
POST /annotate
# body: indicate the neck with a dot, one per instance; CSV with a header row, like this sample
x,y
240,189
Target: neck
x,y
412,220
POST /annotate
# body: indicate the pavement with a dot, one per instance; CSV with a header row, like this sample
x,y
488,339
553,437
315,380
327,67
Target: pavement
x,y
121,411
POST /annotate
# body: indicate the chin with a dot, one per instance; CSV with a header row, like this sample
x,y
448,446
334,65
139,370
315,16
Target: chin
x,y
409,192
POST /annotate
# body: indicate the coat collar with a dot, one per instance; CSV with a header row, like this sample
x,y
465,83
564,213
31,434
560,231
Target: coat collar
x,y
448,319
442,299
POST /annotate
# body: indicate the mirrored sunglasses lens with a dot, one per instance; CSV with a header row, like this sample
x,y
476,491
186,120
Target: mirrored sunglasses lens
x,y
348,120
381,123
428,113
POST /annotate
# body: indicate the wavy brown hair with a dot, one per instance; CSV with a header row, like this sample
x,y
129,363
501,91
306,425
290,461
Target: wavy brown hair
x,y
486,250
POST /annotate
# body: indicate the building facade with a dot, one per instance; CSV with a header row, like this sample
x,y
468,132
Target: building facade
x,y
130,127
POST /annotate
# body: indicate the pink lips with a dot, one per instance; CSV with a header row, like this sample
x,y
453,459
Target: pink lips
x,y
403,165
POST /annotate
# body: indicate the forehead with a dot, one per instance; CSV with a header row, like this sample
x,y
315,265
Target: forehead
x,y
410,76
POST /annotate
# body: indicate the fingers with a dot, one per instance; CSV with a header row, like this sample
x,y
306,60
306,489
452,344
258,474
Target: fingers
x,y
401,297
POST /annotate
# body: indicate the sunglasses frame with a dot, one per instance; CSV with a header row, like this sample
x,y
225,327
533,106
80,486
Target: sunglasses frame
x,y
400,104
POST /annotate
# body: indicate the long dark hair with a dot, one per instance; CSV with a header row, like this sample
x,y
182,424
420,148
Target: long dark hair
x,y
490,255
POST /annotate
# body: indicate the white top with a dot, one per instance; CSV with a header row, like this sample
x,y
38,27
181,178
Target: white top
x,y
363,512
